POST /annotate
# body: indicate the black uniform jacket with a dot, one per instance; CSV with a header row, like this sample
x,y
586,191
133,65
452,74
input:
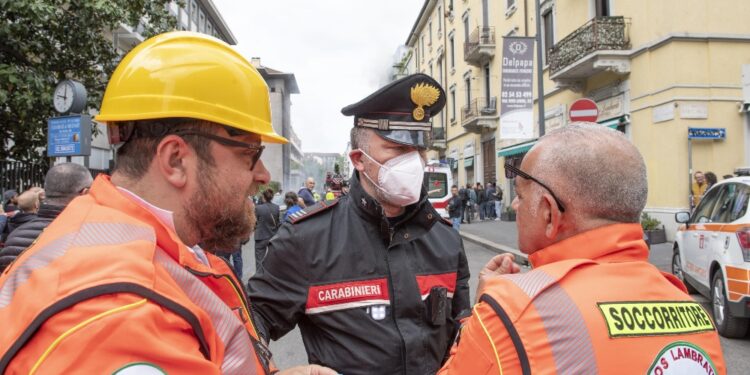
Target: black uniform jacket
x,y
369,297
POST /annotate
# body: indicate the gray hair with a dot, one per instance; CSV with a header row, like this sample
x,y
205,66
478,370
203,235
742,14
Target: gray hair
x,y
360,138
65,181
599,173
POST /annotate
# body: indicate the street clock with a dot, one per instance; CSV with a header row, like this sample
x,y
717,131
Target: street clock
x,y
69,97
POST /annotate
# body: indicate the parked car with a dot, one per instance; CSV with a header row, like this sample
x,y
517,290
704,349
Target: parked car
x,y
712,253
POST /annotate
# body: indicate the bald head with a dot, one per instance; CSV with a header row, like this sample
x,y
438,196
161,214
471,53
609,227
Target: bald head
x,y
598,172
66,181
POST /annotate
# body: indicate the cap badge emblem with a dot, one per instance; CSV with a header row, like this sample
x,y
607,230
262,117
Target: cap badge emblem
x,y
423,94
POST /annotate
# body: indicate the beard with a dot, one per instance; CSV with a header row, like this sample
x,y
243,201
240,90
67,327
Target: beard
x,y
221,223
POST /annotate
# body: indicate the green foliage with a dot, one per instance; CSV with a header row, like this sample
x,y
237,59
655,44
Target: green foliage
x,y
273,185
649,223
45,41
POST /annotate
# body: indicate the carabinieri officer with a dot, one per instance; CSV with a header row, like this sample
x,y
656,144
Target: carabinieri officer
x,y
376,280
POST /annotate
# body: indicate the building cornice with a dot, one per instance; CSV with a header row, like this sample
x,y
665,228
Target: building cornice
x,y
428,6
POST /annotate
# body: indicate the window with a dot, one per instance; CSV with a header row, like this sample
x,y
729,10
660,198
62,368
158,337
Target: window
x,y
201,21
602,8
731,204
548,35
467,81
431,72
510,4
440,71
466,26
440,20
487,84
703,212
450,5
209,28
436,184
429,27
453,104
193,11
422,47
453,52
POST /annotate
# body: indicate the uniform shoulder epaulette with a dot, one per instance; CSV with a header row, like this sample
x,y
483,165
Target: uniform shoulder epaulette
x,y
311,211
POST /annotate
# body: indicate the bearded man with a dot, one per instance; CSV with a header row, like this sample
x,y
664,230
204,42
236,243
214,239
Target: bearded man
x,y
123,281
376,280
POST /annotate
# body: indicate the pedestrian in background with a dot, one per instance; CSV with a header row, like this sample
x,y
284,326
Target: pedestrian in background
x,y
329,194
489,206
455,207
592,303
292,202
698,190
711,180
10,200
306,192
62,183
498,201
481,200
471,204
463,194
266,224
28,205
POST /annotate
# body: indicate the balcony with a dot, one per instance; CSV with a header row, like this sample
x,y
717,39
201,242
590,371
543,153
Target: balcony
x,y
481,114
438,138
602,44
480,48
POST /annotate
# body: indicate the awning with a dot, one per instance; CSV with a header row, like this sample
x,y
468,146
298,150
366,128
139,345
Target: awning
x,y
613,123
469,162
516,149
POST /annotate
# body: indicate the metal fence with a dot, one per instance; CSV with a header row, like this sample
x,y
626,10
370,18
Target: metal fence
x,y
20,176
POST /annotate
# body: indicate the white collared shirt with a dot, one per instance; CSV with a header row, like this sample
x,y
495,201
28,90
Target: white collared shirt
x,y
166,218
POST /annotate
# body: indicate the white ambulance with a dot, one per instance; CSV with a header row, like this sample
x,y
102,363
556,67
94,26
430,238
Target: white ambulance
x,y
712,253
438,181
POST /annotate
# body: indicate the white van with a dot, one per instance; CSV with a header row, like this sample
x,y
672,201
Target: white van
x,y
438,181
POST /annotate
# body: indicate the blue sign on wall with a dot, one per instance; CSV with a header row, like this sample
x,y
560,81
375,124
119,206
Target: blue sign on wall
x,y
69,136
707,133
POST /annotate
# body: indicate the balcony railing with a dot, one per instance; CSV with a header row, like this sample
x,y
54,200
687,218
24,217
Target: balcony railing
x,y
480,46
599,34
479,107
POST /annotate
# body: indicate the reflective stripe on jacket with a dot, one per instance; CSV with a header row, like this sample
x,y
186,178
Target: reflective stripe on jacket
x,y
592,305
107,285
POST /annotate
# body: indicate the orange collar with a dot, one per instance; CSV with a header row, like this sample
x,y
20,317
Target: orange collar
x,y
610,244
106,194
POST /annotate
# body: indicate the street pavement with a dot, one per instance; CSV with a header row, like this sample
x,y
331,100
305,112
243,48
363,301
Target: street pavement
x,y
483,240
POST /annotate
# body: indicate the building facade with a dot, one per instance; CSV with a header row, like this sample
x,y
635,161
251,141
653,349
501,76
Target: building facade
x,y
655,69
281,160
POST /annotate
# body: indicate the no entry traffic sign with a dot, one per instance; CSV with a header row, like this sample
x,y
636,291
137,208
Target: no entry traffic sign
x,y
584,110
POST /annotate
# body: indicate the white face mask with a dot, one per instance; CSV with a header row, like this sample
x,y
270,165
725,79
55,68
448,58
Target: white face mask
x,y
400,179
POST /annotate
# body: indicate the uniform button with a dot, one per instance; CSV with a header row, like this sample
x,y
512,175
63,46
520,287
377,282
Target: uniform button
x,y
429,216
406,235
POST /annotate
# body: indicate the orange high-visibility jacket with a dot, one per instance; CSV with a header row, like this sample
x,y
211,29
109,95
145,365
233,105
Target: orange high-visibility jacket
x,y
592,304
107,288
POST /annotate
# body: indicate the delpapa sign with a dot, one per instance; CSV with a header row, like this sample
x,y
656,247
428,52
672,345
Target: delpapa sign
x,y
584,110
69,136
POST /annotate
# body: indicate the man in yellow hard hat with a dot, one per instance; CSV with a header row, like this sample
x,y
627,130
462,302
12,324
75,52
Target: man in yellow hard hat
x,y
121,283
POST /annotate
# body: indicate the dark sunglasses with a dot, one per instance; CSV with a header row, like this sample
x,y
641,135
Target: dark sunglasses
x,y
123,132
511,172
257,149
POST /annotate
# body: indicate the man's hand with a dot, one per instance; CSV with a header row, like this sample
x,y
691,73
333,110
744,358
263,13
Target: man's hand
x,y
499,265
308,370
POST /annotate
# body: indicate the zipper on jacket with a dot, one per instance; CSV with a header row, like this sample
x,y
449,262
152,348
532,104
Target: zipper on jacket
x,y
393,298
236,290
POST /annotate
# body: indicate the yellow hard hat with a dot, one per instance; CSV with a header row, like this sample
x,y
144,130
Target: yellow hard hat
x,y
191,75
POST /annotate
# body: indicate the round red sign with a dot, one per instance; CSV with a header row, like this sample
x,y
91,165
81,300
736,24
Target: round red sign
x,y
584,110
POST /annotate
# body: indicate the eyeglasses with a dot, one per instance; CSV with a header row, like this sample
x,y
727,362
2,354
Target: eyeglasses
x,y
511,172
257,149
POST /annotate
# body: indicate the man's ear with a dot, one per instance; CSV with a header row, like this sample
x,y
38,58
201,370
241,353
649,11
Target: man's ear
x,y
552,216
356,157
173,159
